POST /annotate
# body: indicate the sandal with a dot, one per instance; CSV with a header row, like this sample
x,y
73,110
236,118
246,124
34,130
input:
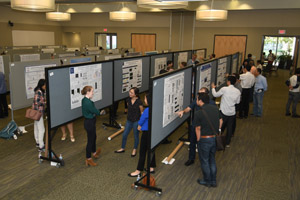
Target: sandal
x,y
64,137
72,139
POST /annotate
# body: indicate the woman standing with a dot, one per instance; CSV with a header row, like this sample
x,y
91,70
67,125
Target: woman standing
x,y
89,112
135,109
143,126
39,103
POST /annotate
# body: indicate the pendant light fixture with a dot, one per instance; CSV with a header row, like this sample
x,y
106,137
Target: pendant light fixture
x,y
58,16
33,5
162,4
122,15
212,14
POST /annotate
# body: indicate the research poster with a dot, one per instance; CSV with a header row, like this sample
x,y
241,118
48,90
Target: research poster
x,y
32,76
182,57
200,54
82,76
173,97
222,65
205,76
234,64
131,75
160,63
2,65
29,57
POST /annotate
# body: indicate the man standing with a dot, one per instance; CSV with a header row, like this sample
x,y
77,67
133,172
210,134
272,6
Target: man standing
x,y
259,89
193,60
247,81
230,97
207,121
3,101
294,94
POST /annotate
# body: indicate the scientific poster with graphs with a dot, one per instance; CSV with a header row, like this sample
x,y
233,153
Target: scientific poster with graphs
x,y
131,75
205,76
222,66
160,63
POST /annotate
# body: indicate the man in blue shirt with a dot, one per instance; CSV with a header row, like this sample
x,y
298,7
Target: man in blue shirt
x,y
3,102
259,89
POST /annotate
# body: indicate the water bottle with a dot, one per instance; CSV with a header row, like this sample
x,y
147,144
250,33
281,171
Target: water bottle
x,y
138,177
60,157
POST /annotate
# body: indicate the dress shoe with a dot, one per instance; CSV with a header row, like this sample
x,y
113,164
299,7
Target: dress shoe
x,y
213,185
133,175
133,155
189,162
63,138
90,162
203,182
296,116
122,151
287,114
72,139
96,155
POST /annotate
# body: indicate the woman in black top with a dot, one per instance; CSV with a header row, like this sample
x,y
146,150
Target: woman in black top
x,y
135,109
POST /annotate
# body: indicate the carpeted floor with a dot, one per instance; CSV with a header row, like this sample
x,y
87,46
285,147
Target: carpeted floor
x,y
262,162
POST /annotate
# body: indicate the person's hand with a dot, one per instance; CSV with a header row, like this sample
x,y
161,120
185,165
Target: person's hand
x,y
226,75
290,87
180,113
139,127
213,85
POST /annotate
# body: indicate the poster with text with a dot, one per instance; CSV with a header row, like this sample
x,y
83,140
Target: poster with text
x,y
82,76
205,76
32,76
2,65
200,54
182,57
160,63
234,64
222,66
131,75
29,57
173,97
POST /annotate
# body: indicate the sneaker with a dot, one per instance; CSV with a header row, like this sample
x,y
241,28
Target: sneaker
x,y
42,149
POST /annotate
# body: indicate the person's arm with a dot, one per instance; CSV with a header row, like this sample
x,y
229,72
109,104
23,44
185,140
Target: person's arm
x,y
265,84
92,109
141,109
198,132
186,110
214,93
144,117
221,123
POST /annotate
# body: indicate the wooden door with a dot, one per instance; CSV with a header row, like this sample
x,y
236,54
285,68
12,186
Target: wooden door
x,y
143,42
229,44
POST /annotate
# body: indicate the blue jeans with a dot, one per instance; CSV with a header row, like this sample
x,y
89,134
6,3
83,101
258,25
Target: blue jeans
x,y
207,151
131,125
258,103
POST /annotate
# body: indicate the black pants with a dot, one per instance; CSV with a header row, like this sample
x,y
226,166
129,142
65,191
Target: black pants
x,y
229,123
244,106
143,153
90,127
3,105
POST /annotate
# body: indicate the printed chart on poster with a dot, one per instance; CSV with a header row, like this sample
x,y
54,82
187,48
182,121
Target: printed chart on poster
x,y
30,57
2,65
160,63
200,54
222,65
182,57
173,97
205,76
131,75
32,76
82,76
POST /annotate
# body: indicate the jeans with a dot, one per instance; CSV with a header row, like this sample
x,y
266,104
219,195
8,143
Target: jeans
x,y
39,132
257,103
207,151
293,97
193,142
90,127
131,125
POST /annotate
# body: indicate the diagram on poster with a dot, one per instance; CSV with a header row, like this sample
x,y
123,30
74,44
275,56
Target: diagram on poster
x,y
200,54
222,65
32,76
160,63
173,97
205,76
131,75
182,57
30,57
82,76
1,65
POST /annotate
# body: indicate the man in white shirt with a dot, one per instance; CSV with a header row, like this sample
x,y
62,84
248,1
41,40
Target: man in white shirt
x,y
230,97
247,81
294,94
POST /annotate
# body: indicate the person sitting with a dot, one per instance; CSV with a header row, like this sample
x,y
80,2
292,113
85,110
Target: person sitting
x,y
169,67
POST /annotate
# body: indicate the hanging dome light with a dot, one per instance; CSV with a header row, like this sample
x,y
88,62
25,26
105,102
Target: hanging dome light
x,y
58,16
211,15
33,5
162,5
122,16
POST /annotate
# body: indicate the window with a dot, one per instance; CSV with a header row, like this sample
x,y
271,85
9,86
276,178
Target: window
x,y
106,40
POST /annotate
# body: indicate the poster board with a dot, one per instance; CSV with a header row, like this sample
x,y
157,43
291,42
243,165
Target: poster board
x,y
201,53
130,72
181,56
171,92
78,60
159,62
234,63
60,90
221,71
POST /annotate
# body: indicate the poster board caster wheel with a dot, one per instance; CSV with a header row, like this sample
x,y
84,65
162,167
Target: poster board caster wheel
x,y
40,161
135,187
158,194
58,165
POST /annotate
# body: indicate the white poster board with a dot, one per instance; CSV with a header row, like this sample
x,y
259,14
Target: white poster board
x,y
173,97
200,54
205,75
222,65
160,63
82,76
30,57
2,65
131,75
182,57
32,76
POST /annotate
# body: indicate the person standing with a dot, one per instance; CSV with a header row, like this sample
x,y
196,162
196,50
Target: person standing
x,y
193,60
294,94
271,57
247,81
89,112
3,100
260,88
39,104
71,131
207,121
135,109
230,97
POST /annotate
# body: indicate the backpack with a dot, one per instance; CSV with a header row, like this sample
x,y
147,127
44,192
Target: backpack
x,y
9,131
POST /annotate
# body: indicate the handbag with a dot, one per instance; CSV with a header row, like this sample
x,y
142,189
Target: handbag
x,y
220,139
33,114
